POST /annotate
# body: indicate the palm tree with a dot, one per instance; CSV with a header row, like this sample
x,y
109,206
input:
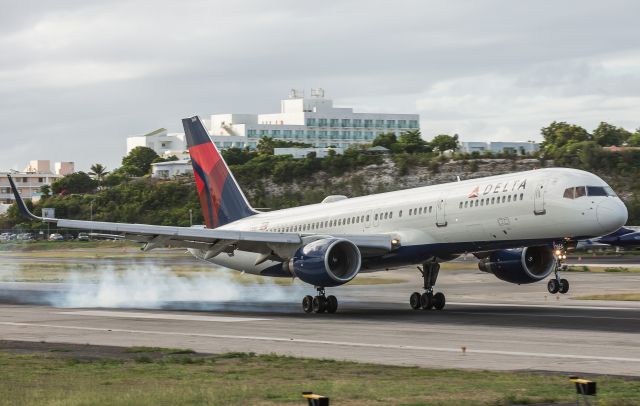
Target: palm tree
x,y
98,171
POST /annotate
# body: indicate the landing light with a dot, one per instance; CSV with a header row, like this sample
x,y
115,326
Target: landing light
x,y
558,252
395,242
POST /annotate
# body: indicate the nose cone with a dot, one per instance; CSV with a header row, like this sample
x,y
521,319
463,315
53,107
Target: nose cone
x,y
612,214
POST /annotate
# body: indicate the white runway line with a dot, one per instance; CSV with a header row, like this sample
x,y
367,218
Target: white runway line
x,y
580,307
335,343
161,316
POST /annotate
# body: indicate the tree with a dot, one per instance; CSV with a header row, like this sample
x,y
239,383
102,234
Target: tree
x,y
77,182
608,135
559,134
385,140
98,171
45,190
634,139
445,142
138,161
411,141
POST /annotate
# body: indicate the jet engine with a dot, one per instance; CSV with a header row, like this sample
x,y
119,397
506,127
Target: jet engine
x,y
521,265
326,262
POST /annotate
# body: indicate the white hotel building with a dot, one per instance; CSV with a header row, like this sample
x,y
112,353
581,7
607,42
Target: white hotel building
x,y
312,120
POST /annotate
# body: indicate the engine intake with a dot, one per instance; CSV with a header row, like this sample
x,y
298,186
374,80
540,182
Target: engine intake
x,y
326,262
521,265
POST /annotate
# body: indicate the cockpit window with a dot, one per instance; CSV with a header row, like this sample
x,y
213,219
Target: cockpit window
x,y
579,191
600,191
596,191
568,193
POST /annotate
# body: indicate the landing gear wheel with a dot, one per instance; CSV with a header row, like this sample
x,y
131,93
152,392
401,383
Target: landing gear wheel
x,y
414,301
564,286
307,304
553,286
439,301
319,304
331,304
426,301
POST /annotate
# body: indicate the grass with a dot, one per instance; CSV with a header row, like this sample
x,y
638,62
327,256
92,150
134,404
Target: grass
x,y
611,296
600,269
246,378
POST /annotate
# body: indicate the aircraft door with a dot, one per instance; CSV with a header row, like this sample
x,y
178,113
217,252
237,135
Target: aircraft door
x,y
538,200
441,217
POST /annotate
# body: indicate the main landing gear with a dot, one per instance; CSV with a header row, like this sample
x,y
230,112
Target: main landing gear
x,y
320,303
558,285
428,300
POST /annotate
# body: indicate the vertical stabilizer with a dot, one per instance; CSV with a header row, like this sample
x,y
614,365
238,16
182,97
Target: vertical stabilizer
x,y
221,199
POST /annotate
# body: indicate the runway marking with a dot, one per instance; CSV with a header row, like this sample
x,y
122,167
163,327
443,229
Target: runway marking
x,y
333,343
550,316
161,316
542,306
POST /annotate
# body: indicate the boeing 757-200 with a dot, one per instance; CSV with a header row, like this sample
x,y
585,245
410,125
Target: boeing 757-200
x,y
512,223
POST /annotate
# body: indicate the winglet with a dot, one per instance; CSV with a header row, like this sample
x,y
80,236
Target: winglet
x,y
24,211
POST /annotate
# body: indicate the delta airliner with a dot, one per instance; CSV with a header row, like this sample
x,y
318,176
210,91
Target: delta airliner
x,y
512,223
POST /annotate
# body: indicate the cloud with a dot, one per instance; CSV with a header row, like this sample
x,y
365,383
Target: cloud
x,y
77,77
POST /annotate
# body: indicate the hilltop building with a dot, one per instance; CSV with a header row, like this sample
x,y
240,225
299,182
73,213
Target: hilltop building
x,y
520,148
29,181
312,120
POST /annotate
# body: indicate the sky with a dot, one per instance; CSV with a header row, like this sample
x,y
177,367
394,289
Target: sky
x,y
77,77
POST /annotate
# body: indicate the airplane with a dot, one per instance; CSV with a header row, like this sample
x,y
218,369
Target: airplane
x,y
625,237
512,223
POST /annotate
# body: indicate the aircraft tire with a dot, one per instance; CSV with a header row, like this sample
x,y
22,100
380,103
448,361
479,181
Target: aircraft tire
x,y
331,304
414,301
439,301
307,304
564,286
553,286
319,304
426,301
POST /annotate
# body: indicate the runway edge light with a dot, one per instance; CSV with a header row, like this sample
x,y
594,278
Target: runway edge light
x,y
315,400
584,388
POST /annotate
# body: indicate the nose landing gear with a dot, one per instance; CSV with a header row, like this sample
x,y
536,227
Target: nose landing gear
x,y
428,300
557,284
320,303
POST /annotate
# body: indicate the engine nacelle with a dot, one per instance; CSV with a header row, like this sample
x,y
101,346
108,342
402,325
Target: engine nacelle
x,y
326,262
522,265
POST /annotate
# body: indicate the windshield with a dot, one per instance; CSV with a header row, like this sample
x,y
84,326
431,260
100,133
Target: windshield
x,y
579,191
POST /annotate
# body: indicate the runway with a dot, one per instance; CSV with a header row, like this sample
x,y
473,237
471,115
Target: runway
x,y
487,324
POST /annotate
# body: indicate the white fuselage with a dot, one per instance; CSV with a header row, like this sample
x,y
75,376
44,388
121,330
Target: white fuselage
x,y
504,211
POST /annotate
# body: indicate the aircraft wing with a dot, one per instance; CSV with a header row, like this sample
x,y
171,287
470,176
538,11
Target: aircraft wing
x,y
212,241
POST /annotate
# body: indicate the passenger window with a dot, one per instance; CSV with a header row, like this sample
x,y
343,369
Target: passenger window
x,y
375,217
390,214
509,198
386,215
362,219
400,213
504,199
466,204
515,197
482,202
430,207
521,196
477,203
493,200
420,210
460,205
